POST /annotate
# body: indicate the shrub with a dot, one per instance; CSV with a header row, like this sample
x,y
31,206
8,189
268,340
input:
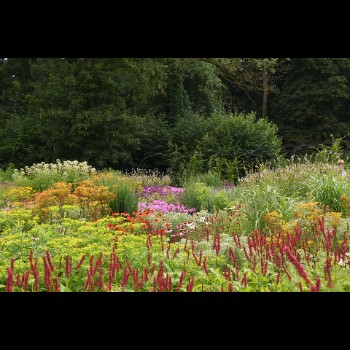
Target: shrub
x,y
225,143
41,176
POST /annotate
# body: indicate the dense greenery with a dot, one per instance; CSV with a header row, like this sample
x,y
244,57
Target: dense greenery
x,y
125,113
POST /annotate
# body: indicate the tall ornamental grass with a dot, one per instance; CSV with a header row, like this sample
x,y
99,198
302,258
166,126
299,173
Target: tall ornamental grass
x,y
127,190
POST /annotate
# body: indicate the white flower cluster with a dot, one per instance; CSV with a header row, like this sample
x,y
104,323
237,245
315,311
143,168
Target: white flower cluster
x,y
62,170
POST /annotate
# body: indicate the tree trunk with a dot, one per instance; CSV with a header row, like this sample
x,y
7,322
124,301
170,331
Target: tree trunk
x,y
265,90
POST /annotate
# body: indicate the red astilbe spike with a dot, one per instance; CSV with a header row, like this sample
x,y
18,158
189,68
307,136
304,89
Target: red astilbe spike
x,y
250,247
302,273
91,262
233,255
36,275
278,277
129,267
195,258
110,281
68,266
239,242
56,286
286,272
9,282
26,280
125,278
31,257
19,282
328,272
52,267
264,269
176,252
149,259
80,262
12,264
254,263
98,262
168,250
300,286
188,256
145,274
205,267
23,278
200,257
169,283
216,243
88,281
47,275
234,237
244,280
192,244
154,284
230,287
100,283
135,279
344,247
118,265
182,277
317,286
227,273
190,285
161,270
245,253
149,242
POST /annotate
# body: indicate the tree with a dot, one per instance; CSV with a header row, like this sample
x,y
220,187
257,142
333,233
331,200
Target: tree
x,y
313,103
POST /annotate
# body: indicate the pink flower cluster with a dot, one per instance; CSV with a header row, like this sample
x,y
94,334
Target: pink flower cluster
x,y
164,207
162,191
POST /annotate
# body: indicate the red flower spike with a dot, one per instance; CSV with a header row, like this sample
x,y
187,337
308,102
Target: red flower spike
x,y
317,286
52,267
297,265
80,262
57,285
278,277
9,282
68,266
18,280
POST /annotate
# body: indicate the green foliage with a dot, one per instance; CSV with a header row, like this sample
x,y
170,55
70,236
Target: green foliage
x,y
329,154
6,175
203,197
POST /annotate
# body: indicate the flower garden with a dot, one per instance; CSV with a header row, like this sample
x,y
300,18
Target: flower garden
x,y
67,227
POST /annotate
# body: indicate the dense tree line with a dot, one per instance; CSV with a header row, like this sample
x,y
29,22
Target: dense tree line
x,y
166,112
